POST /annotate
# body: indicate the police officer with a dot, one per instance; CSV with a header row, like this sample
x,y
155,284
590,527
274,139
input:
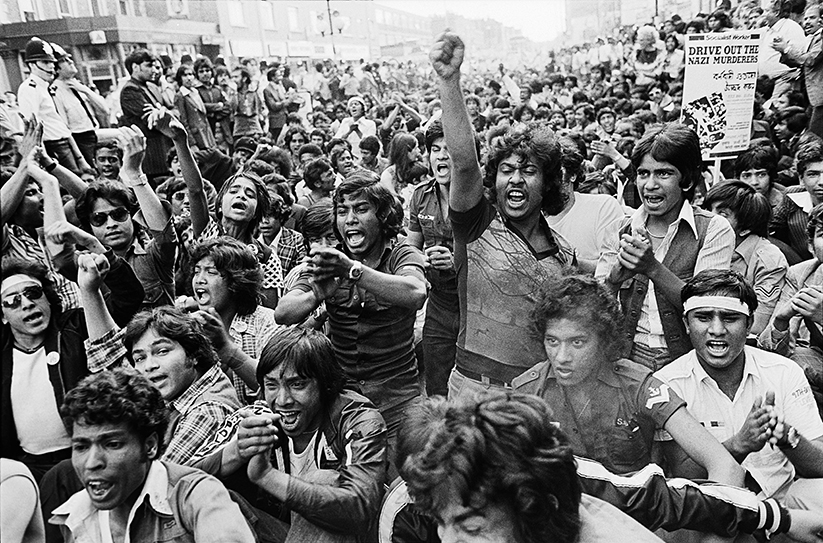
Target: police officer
x,y
35,98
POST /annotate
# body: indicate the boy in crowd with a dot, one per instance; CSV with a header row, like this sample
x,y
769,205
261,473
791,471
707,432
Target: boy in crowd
x,y
755,257
372,287
117,420
796,330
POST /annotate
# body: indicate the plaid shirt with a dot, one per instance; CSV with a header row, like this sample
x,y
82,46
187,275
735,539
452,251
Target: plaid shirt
x,y
251,332
272,270
197,413
106,351
18,243
290,248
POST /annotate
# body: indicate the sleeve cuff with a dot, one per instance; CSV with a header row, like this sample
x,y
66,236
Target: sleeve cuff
x,y
105,351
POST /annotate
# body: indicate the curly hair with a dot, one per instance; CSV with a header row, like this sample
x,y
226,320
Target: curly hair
x,y
263,202
366,184
121,395
115,192
238,266
310,353
536,141
174,324
33,268
583,298
497,448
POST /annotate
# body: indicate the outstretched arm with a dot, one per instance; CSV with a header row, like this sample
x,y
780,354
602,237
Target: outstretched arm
x,y
133,143
446,57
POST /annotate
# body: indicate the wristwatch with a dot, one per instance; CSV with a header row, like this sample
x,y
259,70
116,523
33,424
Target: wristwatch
x,y
356,271
791,441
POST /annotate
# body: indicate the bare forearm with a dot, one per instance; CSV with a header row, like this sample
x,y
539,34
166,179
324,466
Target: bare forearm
x,y
154,213
295,306
69,181
807,458
194,184
11,194
405,291
467,186
98,319
240,363
668,284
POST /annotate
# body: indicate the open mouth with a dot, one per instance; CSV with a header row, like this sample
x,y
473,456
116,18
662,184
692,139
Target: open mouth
x,y
202,296
653,200
288,419
442,169
516,198
354,238
34,318
717,348
98,490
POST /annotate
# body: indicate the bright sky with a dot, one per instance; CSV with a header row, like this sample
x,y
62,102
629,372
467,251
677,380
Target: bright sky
x,y
540,20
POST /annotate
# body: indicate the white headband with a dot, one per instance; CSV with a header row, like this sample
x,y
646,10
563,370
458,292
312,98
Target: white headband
x,y
16,279
716,302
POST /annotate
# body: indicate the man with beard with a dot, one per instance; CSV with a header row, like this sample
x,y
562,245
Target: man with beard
x,y
504,247
117,420
372,287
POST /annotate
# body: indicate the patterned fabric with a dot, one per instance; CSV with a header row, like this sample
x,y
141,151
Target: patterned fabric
x,y
251,332
197,413
18,243
272,270
290,248
101,353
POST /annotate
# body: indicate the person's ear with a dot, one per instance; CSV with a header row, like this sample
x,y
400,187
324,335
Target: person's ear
x,y
152,446
686,323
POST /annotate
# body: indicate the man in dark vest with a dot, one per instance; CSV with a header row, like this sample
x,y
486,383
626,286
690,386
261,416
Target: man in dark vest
x,y
665,243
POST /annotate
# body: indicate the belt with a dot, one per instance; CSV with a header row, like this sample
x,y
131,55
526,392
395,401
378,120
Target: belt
x,y
485,379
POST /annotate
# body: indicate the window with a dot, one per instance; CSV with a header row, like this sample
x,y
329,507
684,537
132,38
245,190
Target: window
x,y
294,19
64,8
126,7
267,15
28,10
236,13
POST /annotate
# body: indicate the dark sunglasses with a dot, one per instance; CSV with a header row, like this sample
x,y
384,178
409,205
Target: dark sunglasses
x,y
119,214
32,293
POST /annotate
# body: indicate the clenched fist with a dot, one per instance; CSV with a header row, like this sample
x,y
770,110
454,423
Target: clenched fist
x,y
446,55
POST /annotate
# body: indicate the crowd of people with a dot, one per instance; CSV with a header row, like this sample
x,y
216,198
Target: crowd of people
x,y
508,305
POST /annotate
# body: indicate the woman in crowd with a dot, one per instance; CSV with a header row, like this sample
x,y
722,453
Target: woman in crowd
x,y
405,163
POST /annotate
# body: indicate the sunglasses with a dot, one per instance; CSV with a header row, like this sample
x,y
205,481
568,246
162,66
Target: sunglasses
x,y
119,214
32,293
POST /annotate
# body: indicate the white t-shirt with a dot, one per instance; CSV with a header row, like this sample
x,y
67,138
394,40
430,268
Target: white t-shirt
x,y
591,226
723,417
34,407
303,463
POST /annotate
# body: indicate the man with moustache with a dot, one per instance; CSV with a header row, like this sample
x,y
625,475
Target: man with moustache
x,y
504,247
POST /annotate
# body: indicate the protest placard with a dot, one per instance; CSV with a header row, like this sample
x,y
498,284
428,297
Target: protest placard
x,y
718,91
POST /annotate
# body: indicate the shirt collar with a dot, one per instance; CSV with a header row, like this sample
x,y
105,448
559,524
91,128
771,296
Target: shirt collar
x,y
79,507
749,367
185,401
686,214
802,199
747,247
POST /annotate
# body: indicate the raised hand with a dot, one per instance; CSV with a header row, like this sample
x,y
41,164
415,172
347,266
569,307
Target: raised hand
x,y
446,55
133,143
91,270
213,327
63,232
32,136
439,257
